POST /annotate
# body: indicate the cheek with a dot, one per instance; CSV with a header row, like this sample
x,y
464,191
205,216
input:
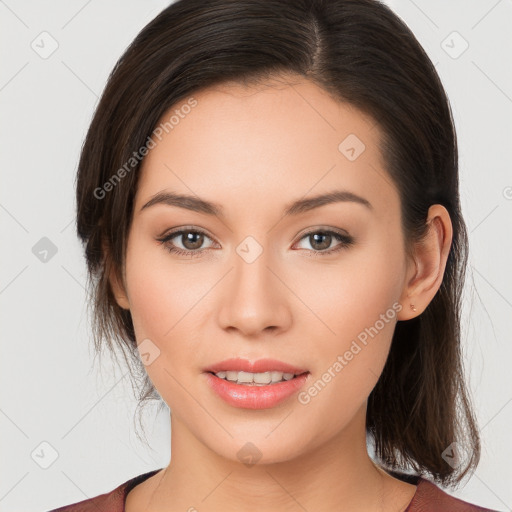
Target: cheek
x,y
161,293
166,309
356,304
170,305
349,294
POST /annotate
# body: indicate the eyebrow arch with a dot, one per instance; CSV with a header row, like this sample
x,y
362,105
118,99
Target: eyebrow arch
x,y
336,196
197,204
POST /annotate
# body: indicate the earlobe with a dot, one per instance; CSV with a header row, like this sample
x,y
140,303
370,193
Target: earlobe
x,y
118,290
428,265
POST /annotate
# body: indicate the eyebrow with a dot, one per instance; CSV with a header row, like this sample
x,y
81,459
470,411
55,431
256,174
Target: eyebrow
x,y
199,205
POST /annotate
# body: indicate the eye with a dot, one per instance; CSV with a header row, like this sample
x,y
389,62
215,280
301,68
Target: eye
x,y
321,241
190,239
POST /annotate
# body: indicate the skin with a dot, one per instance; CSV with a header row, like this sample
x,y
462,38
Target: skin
x,y
254,150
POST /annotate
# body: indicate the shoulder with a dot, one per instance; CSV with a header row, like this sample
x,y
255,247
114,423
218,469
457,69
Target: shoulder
x,y
112,501
430,498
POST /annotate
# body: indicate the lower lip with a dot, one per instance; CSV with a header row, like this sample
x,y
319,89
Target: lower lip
x,y
255,397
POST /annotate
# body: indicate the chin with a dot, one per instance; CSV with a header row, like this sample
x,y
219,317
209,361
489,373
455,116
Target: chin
x,y
259,448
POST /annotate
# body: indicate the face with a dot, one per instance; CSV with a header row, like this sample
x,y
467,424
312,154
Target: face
x,y
318,286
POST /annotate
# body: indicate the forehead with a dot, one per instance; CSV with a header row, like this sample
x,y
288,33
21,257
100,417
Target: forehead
x,y
255,146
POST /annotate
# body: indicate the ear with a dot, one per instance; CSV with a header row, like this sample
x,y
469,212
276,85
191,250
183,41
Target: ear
x,y
116,283
426,269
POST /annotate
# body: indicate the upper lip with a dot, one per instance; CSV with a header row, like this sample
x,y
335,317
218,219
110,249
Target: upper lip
x,y
260,366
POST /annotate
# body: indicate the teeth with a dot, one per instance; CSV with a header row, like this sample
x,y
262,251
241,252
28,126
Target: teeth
x,y
231,375
255,379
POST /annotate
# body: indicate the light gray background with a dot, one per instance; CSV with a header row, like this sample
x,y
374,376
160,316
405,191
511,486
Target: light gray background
x,y
52,393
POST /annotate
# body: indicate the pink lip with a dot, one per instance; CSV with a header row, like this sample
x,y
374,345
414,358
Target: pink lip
x,y
259,366
255,397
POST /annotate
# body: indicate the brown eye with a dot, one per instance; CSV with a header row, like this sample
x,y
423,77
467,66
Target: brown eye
x,y
321,242
192,240
186,242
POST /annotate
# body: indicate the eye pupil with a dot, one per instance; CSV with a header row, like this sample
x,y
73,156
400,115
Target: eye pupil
x,y
188,239
323,245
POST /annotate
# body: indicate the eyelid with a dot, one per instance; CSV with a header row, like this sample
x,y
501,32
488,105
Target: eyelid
x,y
177,229
185,229
322,229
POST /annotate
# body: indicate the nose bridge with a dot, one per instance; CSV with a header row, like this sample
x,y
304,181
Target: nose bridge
x,y
251,275
251,262
254,297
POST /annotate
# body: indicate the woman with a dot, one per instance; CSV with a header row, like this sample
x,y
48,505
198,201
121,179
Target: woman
x,y
268,200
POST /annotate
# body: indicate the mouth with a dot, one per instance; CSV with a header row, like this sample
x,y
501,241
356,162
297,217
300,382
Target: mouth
x,y
261,384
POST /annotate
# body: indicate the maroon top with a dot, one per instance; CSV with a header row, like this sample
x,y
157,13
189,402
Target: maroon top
x,y
428,498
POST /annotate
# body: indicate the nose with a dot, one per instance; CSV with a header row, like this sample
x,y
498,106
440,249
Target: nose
x,y
253,300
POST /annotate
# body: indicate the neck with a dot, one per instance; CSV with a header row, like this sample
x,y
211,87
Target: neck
x,y
337,475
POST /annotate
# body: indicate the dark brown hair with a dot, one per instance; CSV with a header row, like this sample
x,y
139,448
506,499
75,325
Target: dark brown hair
x,y
361,53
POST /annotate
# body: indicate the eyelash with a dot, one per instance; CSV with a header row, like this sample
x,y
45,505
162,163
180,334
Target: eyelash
x,y
346,241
